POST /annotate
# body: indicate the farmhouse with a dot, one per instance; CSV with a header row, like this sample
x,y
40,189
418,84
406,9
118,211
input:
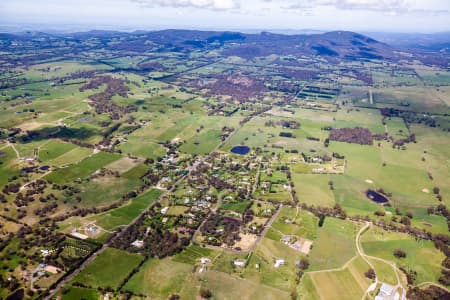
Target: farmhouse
x,y
239,263
387,292
204,260
138,244
279,262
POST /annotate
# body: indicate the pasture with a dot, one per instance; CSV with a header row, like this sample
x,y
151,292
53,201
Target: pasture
x,y
108,269
82,169
382,244
334,245
159,278
125,214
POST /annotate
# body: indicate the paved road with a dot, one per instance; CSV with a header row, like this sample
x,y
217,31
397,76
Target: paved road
x,y
105,246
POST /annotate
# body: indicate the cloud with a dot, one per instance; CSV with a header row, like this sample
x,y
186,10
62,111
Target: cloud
x,y
386,6
202,4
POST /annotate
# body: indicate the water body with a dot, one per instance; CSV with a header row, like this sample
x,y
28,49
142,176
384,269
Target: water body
x,y
376,197
242,150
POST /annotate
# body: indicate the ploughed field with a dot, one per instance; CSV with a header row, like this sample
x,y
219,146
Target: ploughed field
x,y
222,166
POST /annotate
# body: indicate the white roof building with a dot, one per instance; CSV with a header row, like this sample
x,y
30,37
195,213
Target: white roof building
x,y
204,260
279,262
138,243
239,263
387,292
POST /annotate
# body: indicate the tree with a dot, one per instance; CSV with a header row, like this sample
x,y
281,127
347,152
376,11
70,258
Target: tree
x,y
371,274
399,253
205,293
405,221
303,264
321,220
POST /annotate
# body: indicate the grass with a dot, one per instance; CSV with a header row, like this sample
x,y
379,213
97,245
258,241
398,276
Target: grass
x,y
136,172
385,272
299,223
71,157
108,269
122,165
382,244
192,254
225,286
238,207
334,246
306,289
125,214
313,189
159,278
76,293
104,190
83,169
8,164
54,149
349,282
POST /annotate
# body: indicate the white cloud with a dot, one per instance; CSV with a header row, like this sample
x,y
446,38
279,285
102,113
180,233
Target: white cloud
x,y
204,4
387,6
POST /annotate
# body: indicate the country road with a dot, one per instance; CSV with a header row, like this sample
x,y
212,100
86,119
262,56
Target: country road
x,y
106,245
254,245
366,257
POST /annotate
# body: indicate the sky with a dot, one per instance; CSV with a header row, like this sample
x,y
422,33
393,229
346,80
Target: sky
x,y
357,15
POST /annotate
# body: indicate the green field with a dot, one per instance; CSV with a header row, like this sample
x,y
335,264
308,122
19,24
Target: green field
x,y
349,282
125,214
82,169
111,138
334,245
158,279
108,269
76,293
382,244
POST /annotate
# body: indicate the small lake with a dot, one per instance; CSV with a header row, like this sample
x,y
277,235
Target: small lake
x,y
376,197
242,150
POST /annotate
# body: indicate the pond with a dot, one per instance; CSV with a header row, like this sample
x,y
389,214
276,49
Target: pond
x,y
376,197
242,150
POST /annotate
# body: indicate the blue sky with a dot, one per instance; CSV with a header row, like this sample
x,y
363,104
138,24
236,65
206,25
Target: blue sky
x,y
357,15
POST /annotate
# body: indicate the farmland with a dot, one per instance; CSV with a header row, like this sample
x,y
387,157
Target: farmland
x,y
190,164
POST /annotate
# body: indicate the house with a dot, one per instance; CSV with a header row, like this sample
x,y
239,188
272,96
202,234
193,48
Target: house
x,y
204,260
387,292
239,263
279,262
92,229
138,244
